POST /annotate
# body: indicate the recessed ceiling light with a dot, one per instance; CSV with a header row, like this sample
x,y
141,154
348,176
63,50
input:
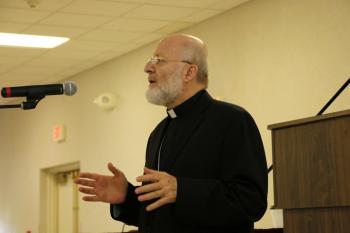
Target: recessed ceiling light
x,y
33,41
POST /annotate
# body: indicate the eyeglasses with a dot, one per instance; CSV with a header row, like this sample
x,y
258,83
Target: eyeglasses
x,y
155,60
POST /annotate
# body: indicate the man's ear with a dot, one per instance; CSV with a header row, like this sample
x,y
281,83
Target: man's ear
x,y
191,72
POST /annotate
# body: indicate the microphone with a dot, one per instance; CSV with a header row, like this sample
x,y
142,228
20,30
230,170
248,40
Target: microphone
x,y
39,91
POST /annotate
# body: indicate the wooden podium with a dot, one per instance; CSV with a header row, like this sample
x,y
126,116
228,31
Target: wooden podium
x,y
311,172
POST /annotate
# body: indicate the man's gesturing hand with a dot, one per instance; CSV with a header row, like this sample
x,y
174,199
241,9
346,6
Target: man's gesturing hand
x,y
110,189
157,185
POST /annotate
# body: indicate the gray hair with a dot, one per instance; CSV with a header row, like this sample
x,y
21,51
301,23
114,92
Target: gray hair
x,y
201,62
196,52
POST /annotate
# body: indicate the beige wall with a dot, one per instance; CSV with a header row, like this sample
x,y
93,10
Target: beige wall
x,y
280,59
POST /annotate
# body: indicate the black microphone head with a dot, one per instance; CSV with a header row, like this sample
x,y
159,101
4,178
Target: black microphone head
x,y
69,88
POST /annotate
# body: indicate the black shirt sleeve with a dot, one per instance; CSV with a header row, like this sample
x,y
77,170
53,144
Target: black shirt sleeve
x,y
128,211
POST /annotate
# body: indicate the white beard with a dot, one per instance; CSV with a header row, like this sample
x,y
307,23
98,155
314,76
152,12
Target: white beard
x,y
167,91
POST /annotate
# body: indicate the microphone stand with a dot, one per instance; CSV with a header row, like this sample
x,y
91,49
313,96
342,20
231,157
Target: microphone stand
x,y
334,97
11,106
341,89
31,103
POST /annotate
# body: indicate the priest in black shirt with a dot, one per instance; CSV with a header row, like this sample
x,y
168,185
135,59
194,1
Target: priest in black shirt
x,y
205,164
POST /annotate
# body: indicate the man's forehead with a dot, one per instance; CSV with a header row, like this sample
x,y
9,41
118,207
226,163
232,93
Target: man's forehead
x,y
168,48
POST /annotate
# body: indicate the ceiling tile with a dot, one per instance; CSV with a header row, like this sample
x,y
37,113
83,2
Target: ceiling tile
x,y
69,32
61,63
76,69
26,70
126,48
14,3
148,38
21,52
74,20
105,56
133,1
15,79
50,5
94,7
202,15
77,54
89,45
141,25
84,66
160,12
12,27
183,3
7,60
21,15
110,35
5,68
226,4
174,27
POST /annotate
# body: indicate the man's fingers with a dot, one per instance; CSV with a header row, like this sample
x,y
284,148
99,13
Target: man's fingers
x,y
87,190
149,170
113,169
91,198
147,178
89,183
150,196
157,204
150,175
148,188
88,175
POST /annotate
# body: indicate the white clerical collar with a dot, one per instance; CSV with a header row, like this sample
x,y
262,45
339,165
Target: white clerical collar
x,y
172,113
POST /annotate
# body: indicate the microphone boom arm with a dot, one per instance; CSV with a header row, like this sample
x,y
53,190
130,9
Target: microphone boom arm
x,y
26,105
31,102
11,106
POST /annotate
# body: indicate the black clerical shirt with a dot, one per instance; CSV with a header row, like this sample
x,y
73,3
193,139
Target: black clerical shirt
x,y
177,125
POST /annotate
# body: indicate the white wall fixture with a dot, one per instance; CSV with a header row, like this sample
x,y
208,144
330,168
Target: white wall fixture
x,y
105,101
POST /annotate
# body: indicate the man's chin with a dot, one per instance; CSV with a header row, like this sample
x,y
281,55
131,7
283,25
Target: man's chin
x,y
154,97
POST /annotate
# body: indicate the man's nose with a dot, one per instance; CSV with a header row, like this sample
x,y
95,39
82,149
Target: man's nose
x,y
149,68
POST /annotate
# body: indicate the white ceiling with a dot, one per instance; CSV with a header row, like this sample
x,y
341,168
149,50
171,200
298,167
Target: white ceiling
x,y
99,30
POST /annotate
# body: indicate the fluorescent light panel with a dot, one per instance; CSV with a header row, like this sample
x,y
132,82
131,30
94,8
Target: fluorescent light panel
x,y
33,41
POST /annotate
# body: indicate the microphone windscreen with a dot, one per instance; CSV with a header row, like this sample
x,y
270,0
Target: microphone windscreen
x,y
69,88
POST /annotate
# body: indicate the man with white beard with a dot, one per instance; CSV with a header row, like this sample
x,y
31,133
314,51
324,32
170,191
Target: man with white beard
x,y
205,165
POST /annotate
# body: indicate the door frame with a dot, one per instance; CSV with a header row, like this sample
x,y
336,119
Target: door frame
x,y
49,197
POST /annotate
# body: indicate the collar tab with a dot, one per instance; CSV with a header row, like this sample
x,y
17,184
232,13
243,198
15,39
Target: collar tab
x,y
172,113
